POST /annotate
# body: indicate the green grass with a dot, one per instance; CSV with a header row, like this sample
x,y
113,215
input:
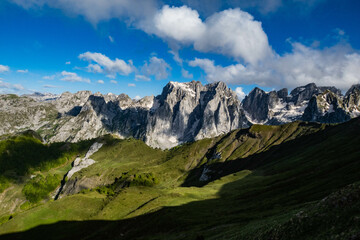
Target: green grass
x,y
271,182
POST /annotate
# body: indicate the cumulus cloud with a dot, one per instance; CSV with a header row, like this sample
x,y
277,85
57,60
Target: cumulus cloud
x,y
180,23
105,64
73,77
235,33
22,71
231,32
113,81
156,67
94,68
240,93
4,68
337,66
131,85
100,81
5,86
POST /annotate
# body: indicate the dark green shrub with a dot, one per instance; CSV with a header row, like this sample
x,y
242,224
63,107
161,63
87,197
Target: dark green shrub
x,y
4,184
39,187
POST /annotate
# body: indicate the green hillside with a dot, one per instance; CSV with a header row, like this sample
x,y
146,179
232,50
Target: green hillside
x,y
294,181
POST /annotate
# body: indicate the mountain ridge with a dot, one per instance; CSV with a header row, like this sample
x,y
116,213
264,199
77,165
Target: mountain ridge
x,y
183,112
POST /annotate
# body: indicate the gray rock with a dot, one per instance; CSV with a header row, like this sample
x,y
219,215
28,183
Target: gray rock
x,y
183,112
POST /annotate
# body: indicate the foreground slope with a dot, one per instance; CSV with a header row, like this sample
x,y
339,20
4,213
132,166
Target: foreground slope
x,y
265,182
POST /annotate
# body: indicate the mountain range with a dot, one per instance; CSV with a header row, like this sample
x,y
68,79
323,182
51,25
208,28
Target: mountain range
x,y
183,112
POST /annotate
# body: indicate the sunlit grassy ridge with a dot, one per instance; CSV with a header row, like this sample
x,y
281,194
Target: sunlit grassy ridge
x,y
266,182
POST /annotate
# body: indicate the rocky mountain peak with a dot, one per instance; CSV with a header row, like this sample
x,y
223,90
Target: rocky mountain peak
x,y
354,89
256,105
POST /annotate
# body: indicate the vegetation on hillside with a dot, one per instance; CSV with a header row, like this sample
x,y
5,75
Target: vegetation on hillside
x,y
39,187
24,154
294,181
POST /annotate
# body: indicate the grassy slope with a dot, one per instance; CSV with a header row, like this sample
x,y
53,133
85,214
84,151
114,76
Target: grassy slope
x,y
24,155
292,167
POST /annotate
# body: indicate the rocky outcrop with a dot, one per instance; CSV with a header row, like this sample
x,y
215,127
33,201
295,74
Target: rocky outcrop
x,y
75,185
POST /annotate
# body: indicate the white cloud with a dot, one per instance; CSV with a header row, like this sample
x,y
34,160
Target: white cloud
x,y
68,63
234,74
95,10
22,71
231,32
94,68
337,66
137,97
103,63
111,39
235,33
156,67
142,78
131,85
73,77
8,86
240,93
50,86
100,81
186,74
113,81
180,23
51,77
176,57
262,6
4,68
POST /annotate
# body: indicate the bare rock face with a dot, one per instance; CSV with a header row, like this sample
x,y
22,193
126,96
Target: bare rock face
x,y
327,107
19,114
308,103
183,112
190,111
352,100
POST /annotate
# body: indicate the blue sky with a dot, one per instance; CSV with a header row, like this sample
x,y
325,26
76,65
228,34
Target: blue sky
x,y
136,47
